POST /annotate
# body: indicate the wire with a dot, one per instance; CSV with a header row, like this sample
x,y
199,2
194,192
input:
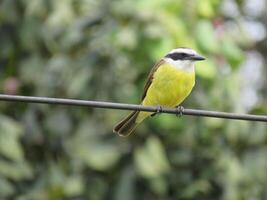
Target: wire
x,y
123,106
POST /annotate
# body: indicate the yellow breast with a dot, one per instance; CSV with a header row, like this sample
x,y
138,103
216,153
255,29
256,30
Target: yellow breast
x,y
170,86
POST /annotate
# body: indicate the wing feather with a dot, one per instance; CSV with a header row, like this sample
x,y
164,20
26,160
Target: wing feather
x,y
151,76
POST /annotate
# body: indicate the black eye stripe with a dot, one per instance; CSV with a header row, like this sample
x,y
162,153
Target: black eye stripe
x,y
177,56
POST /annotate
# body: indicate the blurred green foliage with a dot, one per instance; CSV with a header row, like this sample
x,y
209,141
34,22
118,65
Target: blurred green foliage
x,y
103,50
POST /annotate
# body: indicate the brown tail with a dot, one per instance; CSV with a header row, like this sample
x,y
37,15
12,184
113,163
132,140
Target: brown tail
x,y
127,125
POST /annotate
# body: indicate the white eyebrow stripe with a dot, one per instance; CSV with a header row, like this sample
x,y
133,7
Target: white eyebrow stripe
x,y
183,50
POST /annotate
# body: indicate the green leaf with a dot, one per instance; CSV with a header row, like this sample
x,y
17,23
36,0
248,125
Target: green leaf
x,y
16,171
10,132
58,122
126,185
151,160
206,38
197,187
86,147
160,48
207,69
101,156
73,185
232,52
6,188
205,8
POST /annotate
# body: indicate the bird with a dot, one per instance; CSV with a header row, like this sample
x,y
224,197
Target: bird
x,y
169,82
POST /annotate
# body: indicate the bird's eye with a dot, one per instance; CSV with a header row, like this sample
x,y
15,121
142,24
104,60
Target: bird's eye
x,y
183,54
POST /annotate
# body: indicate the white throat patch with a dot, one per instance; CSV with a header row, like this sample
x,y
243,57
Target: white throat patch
x,y
185,65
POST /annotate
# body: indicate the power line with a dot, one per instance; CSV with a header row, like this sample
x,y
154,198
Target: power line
x,y
123,106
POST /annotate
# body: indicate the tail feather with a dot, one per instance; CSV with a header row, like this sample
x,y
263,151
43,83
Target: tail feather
x,y
127,125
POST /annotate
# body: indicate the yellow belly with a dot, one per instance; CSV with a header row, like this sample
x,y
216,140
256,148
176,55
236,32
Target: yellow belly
x,y
169,88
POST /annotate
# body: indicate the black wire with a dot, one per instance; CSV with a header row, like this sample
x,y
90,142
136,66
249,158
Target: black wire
x,y
123,106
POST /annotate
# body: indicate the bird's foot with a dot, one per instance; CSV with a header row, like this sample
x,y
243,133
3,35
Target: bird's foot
x,y
159,110
180,111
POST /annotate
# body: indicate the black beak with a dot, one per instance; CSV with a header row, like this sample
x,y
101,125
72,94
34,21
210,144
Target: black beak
x,y
196,58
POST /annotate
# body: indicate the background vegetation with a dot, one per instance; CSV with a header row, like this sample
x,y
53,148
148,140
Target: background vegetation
x,y
103,50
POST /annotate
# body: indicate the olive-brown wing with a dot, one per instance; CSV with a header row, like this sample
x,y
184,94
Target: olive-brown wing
x,y
151,76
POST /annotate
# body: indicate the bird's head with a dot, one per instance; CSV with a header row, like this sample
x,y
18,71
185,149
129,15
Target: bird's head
x,y
183,58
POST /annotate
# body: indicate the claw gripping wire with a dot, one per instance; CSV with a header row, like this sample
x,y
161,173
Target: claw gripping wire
x,y
180,111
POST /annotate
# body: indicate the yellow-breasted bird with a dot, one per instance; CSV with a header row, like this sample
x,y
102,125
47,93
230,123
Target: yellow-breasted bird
x,y
169,82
